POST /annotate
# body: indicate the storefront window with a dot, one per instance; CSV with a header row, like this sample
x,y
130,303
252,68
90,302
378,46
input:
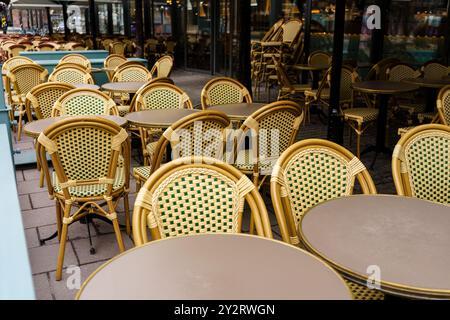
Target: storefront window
x,y
162,20
102,11
117,19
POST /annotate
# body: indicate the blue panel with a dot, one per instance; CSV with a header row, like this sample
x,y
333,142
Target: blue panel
x,y
16,281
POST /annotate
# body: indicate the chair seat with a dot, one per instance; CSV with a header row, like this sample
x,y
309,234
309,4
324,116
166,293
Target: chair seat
x,y
142,173
360,292
244,162
361,114
325,93
426,116
94,189
412,107
297,88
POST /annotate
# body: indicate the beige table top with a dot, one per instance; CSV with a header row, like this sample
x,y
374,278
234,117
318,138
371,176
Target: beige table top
x,y
238,111
160,118
310,67
97,70
384,87
215,266
123,87
35,127
406,238
428,83
86,86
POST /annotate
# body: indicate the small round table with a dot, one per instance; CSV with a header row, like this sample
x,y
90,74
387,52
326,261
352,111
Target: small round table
x,y
215,266
35,128
238,111
406,240
86,86
315,69
383,89
160,118
431,88
123,87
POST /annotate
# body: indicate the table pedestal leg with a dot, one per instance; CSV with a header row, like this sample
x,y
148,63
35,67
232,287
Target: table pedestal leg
x,y
431,96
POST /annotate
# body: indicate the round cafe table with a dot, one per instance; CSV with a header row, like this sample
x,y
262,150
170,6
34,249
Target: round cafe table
x,y
35,127
215,266
86,86
431,88
405,239
123,87
238,111
315,70
160,118
383,89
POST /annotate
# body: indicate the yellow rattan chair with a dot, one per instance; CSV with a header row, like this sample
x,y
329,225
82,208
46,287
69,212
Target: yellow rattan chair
x,y
23,78
203,132
163,67
117,47
287,89
16,49
77,59
72,74
420,163
443,105
319,58
46,47
308,173
84,102
77,46
131,71
196,195
91,160
113,61
434,70
224,91
158,95
271,130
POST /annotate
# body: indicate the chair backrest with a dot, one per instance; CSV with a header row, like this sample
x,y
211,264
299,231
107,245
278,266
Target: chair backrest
x,y
274,32
162,67
72,74
310,172
114,60
77,59
16,49
420,163
434,70
77,47
106,43
117,47
443,105
271,129
291,30
378,70
196,195
348,77
84,153
129,73
14,62
224,90
133,106
84,102
283,78
319,58
46,47
25,77
170,46
401,71
41,98
157,95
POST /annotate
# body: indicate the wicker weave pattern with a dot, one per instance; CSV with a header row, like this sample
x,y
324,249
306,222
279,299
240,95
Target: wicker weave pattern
x,y
161,98
316,175
443,105
71,75
26,77
14,62
401,71
363,293
113,61
132,73
213,207
282,123
77,59
224,93
45,98
435,71
427,159
84,102
319,58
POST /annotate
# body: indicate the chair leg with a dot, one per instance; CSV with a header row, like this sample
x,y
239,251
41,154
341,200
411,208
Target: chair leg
x,y
252,222
358,141
58,219
62,243
116,226
126,204
19,126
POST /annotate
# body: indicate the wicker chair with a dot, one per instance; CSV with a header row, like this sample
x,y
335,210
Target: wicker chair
x,y
23,78
84,102
308,173
198,127
443,105
271,130
78,59
163,67
113,61
224,91
16,49
420,163
91,161
46,47
196,195
117,47
158,95
77,47
72,74
434,70
319,58
71,65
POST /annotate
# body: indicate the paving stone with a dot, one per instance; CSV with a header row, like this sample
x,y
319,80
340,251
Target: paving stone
x,y
41,199
39,217
43,258
105,245
32,238
19,175
31,186
31,174
76,231
25,203
67,288
42,287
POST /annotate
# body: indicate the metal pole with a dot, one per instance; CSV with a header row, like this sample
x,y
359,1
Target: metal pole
x,y
307,37
110,18
377,45
447,35
93,22
65,18
244,43
335,119
147,20
49,21
126,17
139,27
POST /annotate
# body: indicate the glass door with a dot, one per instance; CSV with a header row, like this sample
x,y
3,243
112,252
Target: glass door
x,y
198,34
